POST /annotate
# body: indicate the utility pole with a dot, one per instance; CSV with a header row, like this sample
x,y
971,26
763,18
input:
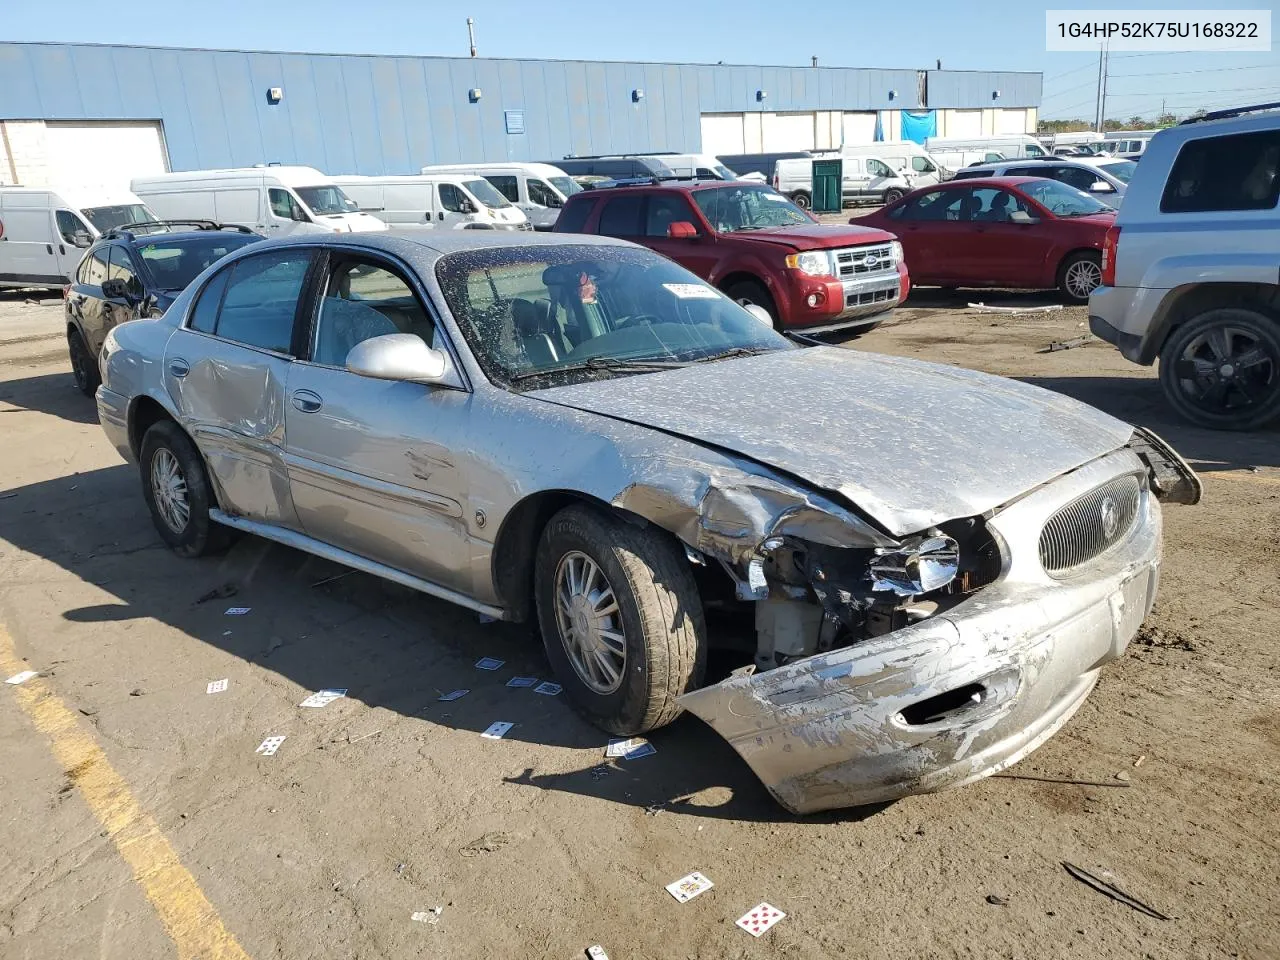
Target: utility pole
x,y
1097,102
1106,70
471,34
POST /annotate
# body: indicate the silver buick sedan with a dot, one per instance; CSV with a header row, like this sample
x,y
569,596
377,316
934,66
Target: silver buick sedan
x,y
922,569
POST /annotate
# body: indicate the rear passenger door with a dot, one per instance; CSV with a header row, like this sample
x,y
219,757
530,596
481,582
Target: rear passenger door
x,y
227,369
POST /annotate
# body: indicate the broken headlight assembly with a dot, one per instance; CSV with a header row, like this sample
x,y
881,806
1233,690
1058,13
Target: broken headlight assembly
x,y
922,565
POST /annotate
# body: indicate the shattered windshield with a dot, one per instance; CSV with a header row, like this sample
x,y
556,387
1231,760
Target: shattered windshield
x,y
748,207
548,315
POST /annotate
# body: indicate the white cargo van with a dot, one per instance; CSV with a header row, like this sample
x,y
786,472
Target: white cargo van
x,y
907,155
538,189
442,201
274,201
864,179
1017,146
45,231
700,166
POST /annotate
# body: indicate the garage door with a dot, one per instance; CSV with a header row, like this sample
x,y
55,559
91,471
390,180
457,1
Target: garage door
x,y
723,133
859,128
788,131
106,154
1011,121
964,123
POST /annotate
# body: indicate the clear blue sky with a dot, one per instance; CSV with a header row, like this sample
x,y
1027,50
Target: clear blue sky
x,y
977,35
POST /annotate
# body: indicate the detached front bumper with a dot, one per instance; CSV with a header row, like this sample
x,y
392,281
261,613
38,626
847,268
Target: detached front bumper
x,y
956,697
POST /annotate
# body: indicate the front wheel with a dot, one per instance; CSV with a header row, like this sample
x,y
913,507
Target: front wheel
x,y
621,619
177,491
1079,274
1221,369
747,292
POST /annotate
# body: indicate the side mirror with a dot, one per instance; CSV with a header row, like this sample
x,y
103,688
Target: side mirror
x,y
760,313
115,289
1021,216
555,202
682,230
468,206
397,356
82,239
1101,186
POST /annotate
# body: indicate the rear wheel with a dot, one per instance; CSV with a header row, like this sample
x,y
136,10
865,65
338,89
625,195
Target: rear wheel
x,y
747,292
801,200
177,492
621,619
1222,369
1079,274
893,195
83,367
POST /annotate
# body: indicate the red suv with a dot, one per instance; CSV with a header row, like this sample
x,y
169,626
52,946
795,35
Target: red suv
x,y
756,246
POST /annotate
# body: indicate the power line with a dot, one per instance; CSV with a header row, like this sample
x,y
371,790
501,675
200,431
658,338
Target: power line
x,y
1079,86
1180,73
1059,76
1205,93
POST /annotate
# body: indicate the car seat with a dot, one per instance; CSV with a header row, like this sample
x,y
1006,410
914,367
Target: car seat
x,y
534,331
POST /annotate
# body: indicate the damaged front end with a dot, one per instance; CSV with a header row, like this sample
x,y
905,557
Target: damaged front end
x,y
889,666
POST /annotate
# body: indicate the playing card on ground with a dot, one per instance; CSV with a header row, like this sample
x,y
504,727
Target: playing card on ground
x,y
237,611
454,695
22,677
759,919
497,730
216,686
522,681
631,749
547,688
323,697
269,746
686,888
489,663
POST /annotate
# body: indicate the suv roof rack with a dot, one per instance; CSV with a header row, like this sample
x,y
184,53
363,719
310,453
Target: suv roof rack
x,y
120,233
655,181
1232,112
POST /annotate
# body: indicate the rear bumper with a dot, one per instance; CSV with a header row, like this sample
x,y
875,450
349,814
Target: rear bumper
x,y
113,414
898,714
1123,316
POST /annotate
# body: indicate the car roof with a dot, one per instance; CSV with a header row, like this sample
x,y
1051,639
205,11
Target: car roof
x,y
414,243
967,182
680,185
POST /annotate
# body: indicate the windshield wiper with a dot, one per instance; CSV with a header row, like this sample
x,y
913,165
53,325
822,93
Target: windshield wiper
x,y
641,364
733,352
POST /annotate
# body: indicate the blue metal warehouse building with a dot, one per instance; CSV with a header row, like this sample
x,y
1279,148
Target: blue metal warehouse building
x,y
138,108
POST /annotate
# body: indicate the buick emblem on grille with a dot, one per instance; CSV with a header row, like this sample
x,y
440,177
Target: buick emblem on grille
x,y
1110,515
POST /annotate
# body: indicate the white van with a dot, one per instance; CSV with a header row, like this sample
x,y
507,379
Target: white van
x,y
538,189
1011,147
442,201
700,166
907,155
45,231
865,179
274,201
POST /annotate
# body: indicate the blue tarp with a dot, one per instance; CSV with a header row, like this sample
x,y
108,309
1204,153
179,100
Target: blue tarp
x,y
879,134
917,126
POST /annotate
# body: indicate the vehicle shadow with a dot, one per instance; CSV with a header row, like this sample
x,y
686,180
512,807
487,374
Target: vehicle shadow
x,y
321,625
53,393
1139,400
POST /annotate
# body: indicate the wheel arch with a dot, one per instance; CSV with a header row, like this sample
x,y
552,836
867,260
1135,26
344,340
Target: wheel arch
x,y
743,274
1189,300
144,412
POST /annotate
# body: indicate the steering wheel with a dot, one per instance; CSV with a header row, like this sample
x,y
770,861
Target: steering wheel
x,y
640,318
1060,207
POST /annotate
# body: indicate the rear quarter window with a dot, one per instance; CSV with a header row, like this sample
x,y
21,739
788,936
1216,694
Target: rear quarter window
x,y
575,215
1237,172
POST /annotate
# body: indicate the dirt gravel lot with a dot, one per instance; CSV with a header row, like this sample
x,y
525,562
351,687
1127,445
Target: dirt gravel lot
x,y
389,802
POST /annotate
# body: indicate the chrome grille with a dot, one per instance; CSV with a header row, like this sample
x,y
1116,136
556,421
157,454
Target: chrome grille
x,y
1091,524
857,261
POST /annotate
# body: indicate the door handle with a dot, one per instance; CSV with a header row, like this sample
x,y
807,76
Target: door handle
x,y
440,215
179,367
62,250
48,248
306,402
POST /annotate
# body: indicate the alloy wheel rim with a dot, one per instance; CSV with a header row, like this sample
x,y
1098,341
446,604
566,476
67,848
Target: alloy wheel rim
x,y
590,623
169,490
1226,369
1082,277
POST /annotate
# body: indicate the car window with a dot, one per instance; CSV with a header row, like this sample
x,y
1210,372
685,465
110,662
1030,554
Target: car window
x,y
451,198
204,316
175,263
541,194
96,271
509,187
537,315
1077,177
575,216
120,267
621,216
991,205
922,165
1062,200
1237,172
363,300
262,298
284,205
1040,171
741,206
1122,170
69,225
935,205
1033,151
878,169
664,210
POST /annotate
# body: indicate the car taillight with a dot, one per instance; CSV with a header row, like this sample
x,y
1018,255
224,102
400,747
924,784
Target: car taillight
x,y
1110,247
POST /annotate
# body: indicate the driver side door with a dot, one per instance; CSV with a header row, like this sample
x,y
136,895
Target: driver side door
x,y
452,207
74,237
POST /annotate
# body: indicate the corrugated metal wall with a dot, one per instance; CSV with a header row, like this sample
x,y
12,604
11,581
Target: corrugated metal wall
x,y
373,114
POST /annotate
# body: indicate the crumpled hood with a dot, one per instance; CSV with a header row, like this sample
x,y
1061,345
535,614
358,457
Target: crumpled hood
x,y
910,443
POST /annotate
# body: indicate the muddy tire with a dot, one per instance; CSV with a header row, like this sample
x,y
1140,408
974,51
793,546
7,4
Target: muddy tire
x,y
83,365
752,291
621,619
177,491
1079,275
1222,369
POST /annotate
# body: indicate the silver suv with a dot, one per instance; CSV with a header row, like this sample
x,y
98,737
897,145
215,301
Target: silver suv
x,y
1191,268
1105,177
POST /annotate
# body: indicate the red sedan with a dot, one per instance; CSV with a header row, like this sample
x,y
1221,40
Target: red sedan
x,y
1019,232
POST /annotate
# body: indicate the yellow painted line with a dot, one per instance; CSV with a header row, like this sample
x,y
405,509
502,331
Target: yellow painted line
x,y
188,917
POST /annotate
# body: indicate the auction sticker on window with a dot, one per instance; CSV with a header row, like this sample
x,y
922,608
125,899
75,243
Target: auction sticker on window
x,y
1186,30
692,291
